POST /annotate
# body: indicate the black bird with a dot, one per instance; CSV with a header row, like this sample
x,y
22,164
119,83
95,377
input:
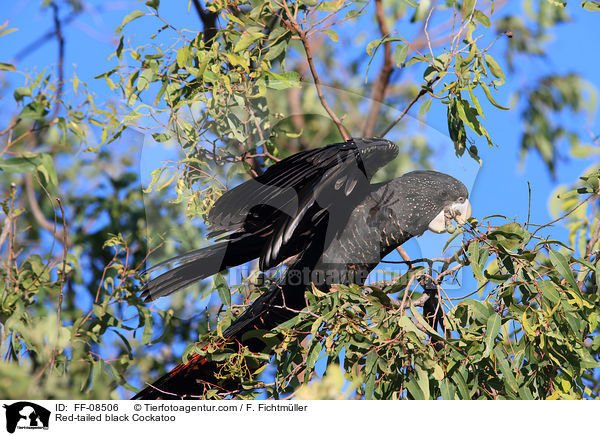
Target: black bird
x,y
318,212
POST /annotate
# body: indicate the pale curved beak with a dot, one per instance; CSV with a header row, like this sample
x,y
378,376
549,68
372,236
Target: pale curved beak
x,y
460,211
463,212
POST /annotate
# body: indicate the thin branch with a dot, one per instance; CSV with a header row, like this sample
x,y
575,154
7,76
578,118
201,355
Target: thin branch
x,y
383,78
10,127
62,279
562,216
420,94
61,58
293,25
593,240
37,213
39,42
404,255
209,22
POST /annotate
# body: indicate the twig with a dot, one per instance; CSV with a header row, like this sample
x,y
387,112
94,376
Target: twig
x,y
383,79
209,22
404,255
421,93
61,59
593,240
10,127
291,23
37,213
62,280
425,31
39,42
562,216
11,236
528,205
63,275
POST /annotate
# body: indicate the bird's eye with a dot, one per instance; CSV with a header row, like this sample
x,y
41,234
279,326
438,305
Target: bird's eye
x,y
461,199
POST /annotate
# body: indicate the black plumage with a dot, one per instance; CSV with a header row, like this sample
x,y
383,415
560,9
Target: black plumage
x,y
318,212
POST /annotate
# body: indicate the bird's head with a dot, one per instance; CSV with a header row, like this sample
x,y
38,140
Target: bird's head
x,y
431,200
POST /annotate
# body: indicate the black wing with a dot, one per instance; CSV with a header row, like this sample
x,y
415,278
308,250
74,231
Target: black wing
x,y
313,188
300,200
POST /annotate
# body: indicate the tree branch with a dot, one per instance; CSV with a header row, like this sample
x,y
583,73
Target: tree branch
x,y
293,25
37,213
420,94
61,58
209,22
593,240
383,78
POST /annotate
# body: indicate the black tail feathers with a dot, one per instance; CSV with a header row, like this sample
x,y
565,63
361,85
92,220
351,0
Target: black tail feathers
x,y
192,379
200,264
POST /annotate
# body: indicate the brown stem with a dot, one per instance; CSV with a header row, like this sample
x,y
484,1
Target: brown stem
x,y
37,213
383,78
209,22
62,279
420,94
61,59
593,240
293,25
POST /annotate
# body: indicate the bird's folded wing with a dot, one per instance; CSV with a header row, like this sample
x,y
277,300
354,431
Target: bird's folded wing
x,y
291,202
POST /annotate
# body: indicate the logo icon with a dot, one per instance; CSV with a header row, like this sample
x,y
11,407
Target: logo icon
x,y
26,415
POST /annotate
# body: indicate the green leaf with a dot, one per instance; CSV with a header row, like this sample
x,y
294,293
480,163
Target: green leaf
x,y
287,80
46,168
425,107
372,46
597,275
482,18
562,266
6,31
222,289
400,54
246,40
330,6
147,333
22,92
414,60
474,258
461,385
447,389
7,67
591,6
413,4
549,290
509,378
494,68
183,55
161,137
153,4
488,94
558,3
509,236
312,357
370,386
35,110
414,389
493,328
481,310
331,34
144,80
23,164
128,19
423,381
419,317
